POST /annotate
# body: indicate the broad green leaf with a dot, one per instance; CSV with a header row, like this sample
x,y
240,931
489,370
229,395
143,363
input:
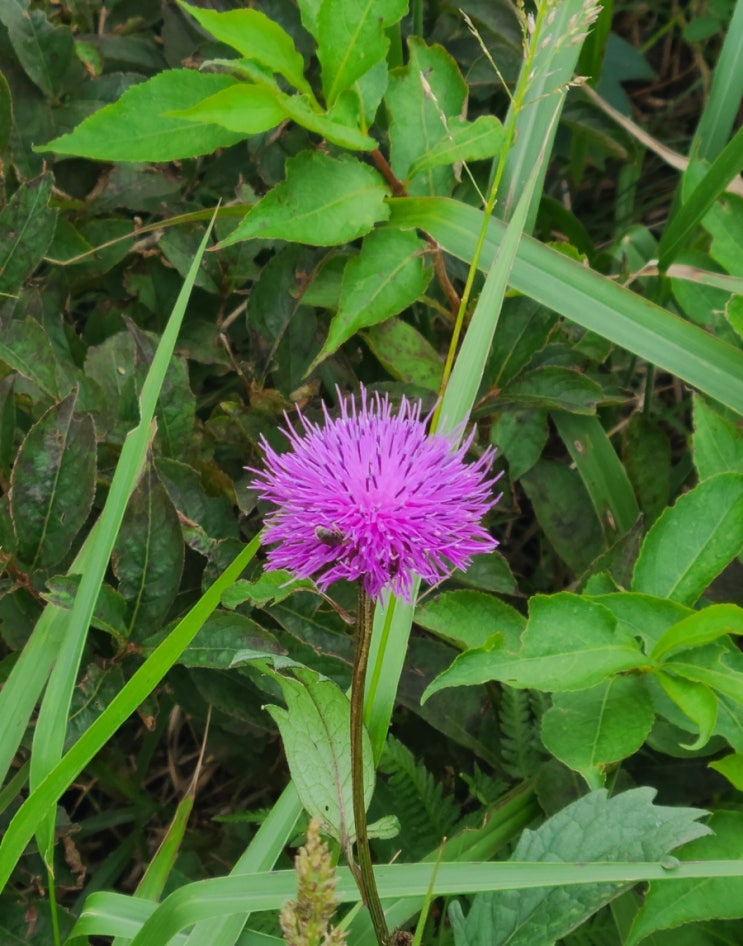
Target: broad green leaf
x,y
553,388
315,731
136,128
351,39
700,628
696,701
148,555
224,635
560,501
644,616
684,901
257,37
25,347
306,209
627,827
468,618
299,108
463,141
416,124
521,436
717,444
245,108
26,230
590,729
718,665
53,484
269,588
387,276
570,643
731,766
405,354
693,541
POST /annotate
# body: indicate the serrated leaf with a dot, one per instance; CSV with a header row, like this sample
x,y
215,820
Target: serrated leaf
x,y
387,276
405,354
26,230
693,541
590,729
469,618
627,827
351,39
570,643
257,37
306,209
463,141
717,443
53,484
135,128
669,905
315,730
25,347
148,554
245,108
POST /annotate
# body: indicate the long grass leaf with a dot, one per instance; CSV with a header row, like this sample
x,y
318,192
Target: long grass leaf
x,y
144,680
268,891
588,299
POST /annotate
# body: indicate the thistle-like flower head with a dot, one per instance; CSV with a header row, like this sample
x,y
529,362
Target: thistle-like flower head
x,y
371,496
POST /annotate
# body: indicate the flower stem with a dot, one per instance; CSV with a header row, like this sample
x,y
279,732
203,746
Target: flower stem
x,y
365,875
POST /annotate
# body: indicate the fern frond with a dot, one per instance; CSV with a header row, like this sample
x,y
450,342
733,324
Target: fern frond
x,y
426,815
521,745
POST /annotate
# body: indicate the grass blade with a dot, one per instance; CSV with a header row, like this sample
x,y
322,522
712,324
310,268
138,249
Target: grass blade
x,y
588,299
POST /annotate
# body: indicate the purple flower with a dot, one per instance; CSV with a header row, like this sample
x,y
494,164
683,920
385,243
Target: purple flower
x,y
371,495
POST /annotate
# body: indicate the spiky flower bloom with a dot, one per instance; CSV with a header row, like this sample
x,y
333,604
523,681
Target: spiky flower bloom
x,y
371,495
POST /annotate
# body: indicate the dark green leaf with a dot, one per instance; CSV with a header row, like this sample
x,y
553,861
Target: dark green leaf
x,y
148,555
554,388
26,230
521,437
564,512
53,484
405,353
25,348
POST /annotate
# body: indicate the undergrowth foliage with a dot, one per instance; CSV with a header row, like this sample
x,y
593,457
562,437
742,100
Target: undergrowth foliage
x,y
525,219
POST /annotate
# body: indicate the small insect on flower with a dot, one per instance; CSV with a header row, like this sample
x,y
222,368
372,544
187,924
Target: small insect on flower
x,y
394,500
332,537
